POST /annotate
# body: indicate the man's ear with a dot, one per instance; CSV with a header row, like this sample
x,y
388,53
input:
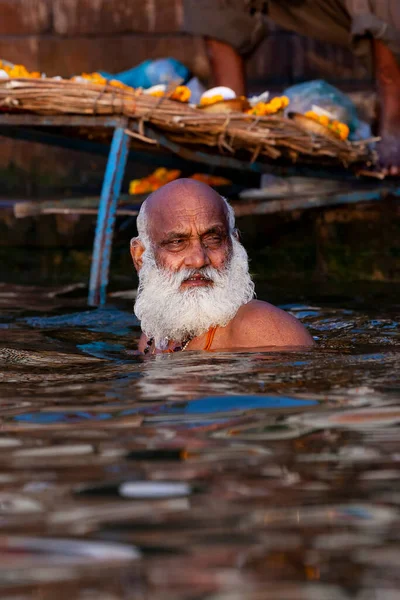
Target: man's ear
x,y
137,250
236,234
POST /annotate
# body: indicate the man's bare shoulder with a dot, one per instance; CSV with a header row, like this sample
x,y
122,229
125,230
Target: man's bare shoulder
x,y
258,324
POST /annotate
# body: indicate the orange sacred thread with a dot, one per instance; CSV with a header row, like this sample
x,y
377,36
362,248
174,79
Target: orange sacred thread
x,y
210,338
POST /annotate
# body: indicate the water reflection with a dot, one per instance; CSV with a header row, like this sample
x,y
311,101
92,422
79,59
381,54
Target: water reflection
x,y
219,476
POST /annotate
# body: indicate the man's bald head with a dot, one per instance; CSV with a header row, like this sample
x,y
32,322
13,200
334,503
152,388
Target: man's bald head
x,y
182,196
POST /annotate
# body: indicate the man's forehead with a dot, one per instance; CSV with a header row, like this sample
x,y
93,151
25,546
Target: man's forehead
x,y
170,214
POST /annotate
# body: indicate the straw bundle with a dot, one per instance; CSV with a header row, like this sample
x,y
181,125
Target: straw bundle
x,y
252,137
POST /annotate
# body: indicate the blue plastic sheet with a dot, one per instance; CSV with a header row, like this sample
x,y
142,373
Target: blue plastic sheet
x,y
152,72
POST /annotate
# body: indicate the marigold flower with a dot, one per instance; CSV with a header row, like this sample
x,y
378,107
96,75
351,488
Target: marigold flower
x,y
211,100
275,104
93,78
285,101
259,109
154,181
343,131
119,84
181,93
311,115
165,175
15,71
213,180
340,129
269,108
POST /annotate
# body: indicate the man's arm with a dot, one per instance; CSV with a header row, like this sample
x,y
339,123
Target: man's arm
x,y
259,324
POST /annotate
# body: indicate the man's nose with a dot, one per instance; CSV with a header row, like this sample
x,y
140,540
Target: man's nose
x,y
196,256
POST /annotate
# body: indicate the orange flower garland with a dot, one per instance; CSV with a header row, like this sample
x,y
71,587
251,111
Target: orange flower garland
x,y
15,71
97,78
275,105
161,176
213,180
340,129
180,94
153,182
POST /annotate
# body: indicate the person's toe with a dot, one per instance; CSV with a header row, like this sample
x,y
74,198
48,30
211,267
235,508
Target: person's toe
x,y
389,153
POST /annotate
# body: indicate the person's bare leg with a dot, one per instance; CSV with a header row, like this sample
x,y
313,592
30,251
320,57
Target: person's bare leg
x,y
387,73
227,66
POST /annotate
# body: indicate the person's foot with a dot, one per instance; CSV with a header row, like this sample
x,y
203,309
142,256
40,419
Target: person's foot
x,y
389,152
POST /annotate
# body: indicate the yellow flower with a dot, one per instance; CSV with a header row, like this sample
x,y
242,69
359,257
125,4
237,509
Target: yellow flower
x,y
157,94
138,186
343,131
285,101
165,175
211,100
275,104
119,84
160,173
154,181
340,129
324,120
18,71
260,109
181,93
93,78
269,108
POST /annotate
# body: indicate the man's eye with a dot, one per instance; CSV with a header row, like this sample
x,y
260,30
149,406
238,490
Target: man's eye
x,y
177,244
213,240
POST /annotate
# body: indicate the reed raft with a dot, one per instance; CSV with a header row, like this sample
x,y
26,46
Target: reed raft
x,y
251,137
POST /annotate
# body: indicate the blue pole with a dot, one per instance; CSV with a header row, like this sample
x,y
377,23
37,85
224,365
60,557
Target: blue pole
x,y
106,217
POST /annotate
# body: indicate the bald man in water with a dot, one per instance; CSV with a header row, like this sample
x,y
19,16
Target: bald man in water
x,y
195,291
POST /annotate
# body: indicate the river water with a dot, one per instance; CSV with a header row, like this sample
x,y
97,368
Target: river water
x,y
223,476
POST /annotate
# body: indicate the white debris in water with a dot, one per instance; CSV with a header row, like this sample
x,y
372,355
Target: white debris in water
x,y
358,454
7,478
65,450
153,489
14,503
78,548
9,442
358,391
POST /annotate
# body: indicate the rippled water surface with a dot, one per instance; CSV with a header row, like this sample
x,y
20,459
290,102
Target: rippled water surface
x,y
223,476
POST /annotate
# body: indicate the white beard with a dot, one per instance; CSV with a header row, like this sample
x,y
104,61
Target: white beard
x,y
168,313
